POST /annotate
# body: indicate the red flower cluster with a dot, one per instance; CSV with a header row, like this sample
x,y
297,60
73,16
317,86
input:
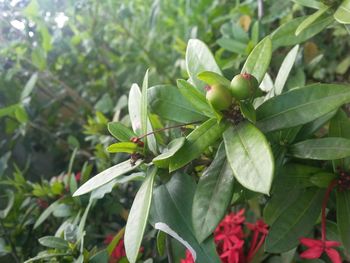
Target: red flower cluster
x,y
229,238
118,252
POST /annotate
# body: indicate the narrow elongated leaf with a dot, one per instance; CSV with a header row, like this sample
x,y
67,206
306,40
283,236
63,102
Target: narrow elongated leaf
x,y
339,126
195,98
232,45
343,218
310,19
171,213
196,142
342,14
120,131
285,69
295,222
167,102
137,220
213,195
135,104
107,176
285,34
198,59
54,242
300,106
144,106
309,3
250,157
28,88
123,147
331,148
162,160
47,212
258,60
111,247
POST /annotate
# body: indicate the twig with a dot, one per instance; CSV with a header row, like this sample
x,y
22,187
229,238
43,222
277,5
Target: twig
x,y
260,9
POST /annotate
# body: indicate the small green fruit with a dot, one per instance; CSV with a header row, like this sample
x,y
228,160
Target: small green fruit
x,y
219,97
244,86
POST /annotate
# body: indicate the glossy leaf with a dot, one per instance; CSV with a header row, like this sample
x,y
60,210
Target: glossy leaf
x,y
331,148
309,3
213,78
285,34
162,160
107,176
123,147
144,107
167,102
310,20
213,195
135,102
258,60
250,157
47,212
138,216
342,14
296,221
300,106
198,59
343,218
197,142
195,98
248,111
171,213
120,131
285,69
54,242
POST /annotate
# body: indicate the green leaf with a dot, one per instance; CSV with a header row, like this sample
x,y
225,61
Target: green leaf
x,y
10,200
296,221
321,149
46,255
248,111
213,78
197,142
285,69
310,20
54,242
250,157
120,131
309,3
167,102
21,114
343,218
162,160
135,102
198,59
232,45
339,126
115,241
285,34
161,242
124,147
300,106
28,88
47,212
107,176
195,98
138,216
213,195
99,257
342,14
144,106
258,60
171,213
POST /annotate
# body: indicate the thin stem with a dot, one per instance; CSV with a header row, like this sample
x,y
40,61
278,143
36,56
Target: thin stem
x,y
167,128
324,206
260,9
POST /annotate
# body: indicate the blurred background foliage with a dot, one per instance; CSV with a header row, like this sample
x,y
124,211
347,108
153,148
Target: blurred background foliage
x,y
66,69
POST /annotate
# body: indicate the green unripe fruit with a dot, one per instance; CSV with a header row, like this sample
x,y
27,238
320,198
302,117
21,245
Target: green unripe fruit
x,y
244,86
219,97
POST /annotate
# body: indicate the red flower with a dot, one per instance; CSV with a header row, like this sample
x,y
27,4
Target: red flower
x,y
78,176
233,254
188,259
317,247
